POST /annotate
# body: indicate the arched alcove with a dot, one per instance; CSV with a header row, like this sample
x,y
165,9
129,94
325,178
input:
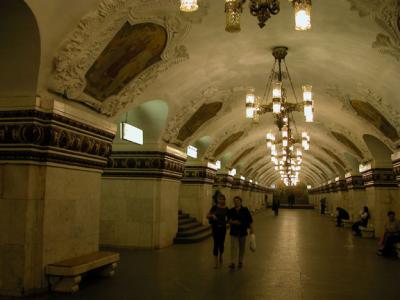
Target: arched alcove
x,y
19,52
352,162
151,117
379,151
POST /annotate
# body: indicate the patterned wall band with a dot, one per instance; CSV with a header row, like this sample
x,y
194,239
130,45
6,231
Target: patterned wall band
x,y
32,135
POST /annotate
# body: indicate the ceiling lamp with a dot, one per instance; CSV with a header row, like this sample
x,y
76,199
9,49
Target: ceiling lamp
x,y
276,100
189,5
302,13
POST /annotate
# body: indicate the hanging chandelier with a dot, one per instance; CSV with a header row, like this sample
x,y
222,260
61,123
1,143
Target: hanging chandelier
x,y
262,9
286,147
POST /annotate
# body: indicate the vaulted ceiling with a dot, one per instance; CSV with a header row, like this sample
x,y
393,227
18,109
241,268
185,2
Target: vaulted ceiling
x,y
189,64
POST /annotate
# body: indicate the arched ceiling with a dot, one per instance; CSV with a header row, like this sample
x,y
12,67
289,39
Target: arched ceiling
x,y
348,57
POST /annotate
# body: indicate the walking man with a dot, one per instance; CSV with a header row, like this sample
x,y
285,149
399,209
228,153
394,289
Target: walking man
x,y
240,221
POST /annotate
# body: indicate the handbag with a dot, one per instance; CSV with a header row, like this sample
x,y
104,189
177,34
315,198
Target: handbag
x,y
253,242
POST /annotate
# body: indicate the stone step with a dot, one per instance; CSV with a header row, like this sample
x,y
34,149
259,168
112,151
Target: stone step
x,y
186,221
183,216
194,232
193,239
188,226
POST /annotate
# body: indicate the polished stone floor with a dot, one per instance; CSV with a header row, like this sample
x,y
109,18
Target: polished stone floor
x,y
300,255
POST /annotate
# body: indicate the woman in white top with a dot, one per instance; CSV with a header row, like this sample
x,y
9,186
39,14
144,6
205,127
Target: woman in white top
x,y
363,222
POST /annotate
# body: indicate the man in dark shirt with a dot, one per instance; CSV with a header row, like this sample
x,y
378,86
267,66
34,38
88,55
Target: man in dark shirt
x,y
240,221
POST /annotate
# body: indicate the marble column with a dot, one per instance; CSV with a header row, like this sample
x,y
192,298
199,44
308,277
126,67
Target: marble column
x,y
237,187
382,194
332,196
342,194
396,170
51,160
223,182
195,196
139,200
246,195
356,192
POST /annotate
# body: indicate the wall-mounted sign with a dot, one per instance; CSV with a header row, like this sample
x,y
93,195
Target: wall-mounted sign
x,y
218,164
131,133
191,151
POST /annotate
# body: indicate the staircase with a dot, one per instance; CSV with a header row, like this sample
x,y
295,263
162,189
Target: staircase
x,y
190,231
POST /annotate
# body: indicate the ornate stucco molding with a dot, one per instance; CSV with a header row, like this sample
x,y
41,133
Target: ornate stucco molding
x,y
386,14
210,94
31,135
198,175
365,94
379,178
145,164
96,30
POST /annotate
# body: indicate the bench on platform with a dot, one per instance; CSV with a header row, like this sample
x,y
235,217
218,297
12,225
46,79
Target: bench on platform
x,y
367,232
65,276
347,223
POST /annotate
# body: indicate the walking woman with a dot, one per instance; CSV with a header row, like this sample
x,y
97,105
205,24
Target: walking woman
x,y
218,217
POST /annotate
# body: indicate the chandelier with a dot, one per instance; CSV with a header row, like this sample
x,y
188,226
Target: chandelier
x,y
262,9
286,152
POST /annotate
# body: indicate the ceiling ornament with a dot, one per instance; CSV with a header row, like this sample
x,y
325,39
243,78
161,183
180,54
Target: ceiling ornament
x,y
184,113
261,9
388,112
386,15
96,30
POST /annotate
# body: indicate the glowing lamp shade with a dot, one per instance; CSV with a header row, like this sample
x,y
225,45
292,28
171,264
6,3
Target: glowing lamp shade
x,y
232,10
276,105
302,13
249,112
277,90
308,112
284,142
218,164
131,133
307,93
189,5
285,132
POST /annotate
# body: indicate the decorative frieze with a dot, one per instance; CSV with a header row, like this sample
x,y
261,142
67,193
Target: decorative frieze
x,y
237,183
145,164
396,170
223,180
332,188
199,174
379,178
355,182
32,135
341,185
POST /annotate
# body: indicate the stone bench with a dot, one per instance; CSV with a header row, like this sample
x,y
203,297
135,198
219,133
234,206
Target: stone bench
x,y
367,232
347,223
65,276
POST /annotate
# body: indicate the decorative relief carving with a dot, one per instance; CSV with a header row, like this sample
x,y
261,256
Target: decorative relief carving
x,y
198,174
146,164
95,31
379,177
355,182
47,137
206,96
386,14
223,180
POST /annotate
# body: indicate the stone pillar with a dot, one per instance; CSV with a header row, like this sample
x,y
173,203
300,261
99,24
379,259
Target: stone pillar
x,y
246,195
223,182
332,196
382,194
51,160
237,187
195,196
342,194
396,171
356,192
139,200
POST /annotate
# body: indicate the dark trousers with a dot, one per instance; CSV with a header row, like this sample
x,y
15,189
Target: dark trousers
x,y
276,210
322,209
219,234
356,227
389,242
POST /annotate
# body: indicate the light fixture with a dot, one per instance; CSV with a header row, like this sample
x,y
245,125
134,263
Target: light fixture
x,y
250,103
189,5
233,9
308,103
191,151
302,13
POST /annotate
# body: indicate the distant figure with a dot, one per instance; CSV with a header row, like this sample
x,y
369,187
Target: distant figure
x,y
275,206
341,214
218,217
390,237
291,200
323,205
266,201
240,220
363,222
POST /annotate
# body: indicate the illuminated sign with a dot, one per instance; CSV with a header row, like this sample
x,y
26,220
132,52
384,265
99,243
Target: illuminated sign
x,y
131,133
218,164
191,151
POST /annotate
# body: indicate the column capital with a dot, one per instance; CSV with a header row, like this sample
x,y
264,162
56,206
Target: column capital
x,y
201,173
354,182
223,179
379,177
396,166
341,184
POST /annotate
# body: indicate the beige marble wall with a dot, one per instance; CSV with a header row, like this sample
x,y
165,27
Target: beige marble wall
x,y
139,212
196,200
48,213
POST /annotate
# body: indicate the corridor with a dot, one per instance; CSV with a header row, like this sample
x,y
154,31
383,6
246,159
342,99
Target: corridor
x,y
300,255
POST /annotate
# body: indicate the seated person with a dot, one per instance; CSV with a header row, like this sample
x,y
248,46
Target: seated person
x,y
363,222
341,214
390,237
